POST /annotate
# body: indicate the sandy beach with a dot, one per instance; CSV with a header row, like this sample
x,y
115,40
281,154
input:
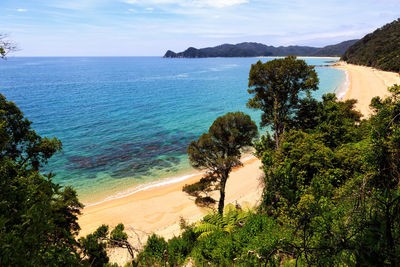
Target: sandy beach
x,y
365,83
160,209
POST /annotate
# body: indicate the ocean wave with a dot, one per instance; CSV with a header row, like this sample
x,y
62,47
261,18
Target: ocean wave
x,y
342,91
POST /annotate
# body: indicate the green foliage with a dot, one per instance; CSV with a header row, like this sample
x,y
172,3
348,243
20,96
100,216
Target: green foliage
x,y
94,250
118,234
101,232
337,184
204,186
38,219
380,235
227,222
379,49
276,87
180,247
331,196
257,242
217,152
336,120
155,252
19,143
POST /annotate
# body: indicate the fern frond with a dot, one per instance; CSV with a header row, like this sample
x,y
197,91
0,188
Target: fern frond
x,y
205,227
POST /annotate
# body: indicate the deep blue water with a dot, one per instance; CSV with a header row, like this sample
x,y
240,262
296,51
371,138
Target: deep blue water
x,y
125,121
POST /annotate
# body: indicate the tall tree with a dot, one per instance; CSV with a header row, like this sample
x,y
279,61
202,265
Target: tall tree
x,y
276,87
218,151
38,218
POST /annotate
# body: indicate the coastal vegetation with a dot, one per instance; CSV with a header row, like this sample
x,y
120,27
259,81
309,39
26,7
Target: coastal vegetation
x,y
379,49
331,195
249,49
38,218
218,152
276,87
331,187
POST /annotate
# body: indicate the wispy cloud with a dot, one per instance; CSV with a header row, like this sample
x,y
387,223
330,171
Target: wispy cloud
x,y
149,27
185,3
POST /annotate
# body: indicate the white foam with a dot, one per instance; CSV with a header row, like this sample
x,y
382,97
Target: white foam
x,y
341,93
163,182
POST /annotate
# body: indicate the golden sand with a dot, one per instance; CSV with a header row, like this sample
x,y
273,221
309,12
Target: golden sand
x,y
159,209
366,83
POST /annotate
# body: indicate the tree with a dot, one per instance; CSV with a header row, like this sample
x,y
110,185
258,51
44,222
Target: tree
x,y
337,121
6,46
276,86
19,143
38,218
94,250
218,151
380,237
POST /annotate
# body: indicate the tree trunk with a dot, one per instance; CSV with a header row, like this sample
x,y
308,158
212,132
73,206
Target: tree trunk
x,y
277,124
276,138
221,201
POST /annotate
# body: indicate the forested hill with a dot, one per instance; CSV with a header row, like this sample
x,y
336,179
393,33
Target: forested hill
x,y
257,49
380,49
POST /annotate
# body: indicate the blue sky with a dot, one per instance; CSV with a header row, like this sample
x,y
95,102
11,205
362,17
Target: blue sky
x,y
150,27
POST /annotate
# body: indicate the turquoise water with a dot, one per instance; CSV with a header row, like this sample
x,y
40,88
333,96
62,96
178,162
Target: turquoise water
x,y
127,121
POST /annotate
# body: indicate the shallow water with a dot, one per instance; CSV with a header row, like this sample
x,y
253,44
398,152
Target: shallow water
x,y
127,121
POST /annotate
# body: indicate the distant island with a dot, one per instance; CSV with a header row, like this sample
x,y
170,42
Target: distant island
x,y
249,49
379,49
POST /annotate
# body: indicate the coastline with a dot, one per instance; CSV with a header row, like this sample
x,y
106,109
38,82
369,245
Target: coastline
x,y
108,210
364,83
160,207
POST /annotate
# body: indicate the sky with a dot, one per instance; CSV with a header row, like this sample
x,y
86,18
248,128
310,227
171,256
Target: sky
x,y
151,27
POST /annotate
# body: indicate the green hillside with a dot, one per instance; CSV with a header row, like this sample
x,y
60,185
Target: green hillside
x,y
380,49
248,49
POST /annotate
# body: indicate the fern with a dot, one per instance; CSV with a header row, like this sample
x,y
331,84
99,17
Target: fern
x,y
227,222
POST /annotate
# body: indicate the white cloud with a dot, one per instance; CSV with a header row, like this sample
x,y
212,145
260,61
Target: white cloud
x,y
220,3
22,10
193,3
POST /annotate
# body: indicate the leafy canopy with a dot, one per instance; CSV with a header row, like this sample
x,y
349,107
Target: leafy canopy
x,y
38,218
277,87
217,152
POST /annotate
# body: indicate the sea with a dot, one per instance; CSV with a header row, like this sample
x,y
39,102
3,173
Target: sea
x,y
125,122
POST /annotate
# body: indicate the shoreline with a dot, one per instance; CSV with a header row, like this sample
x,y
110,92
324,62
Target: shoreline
x,y
159,206
160,209
341,93
179,204
89,220
365,83
186,175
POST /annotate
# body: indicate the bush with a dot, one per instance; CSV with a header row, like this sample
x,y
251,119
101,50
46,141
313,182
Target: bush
x,y
155,251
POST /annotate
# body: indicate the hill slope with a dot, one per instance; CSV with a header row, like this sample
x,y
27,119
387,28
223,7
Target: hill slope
x,y
257,49
380,49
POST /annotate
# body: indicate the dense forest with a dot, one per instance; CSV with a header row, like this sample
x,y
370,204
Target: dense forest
x,y
331,187
380,49
256,49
